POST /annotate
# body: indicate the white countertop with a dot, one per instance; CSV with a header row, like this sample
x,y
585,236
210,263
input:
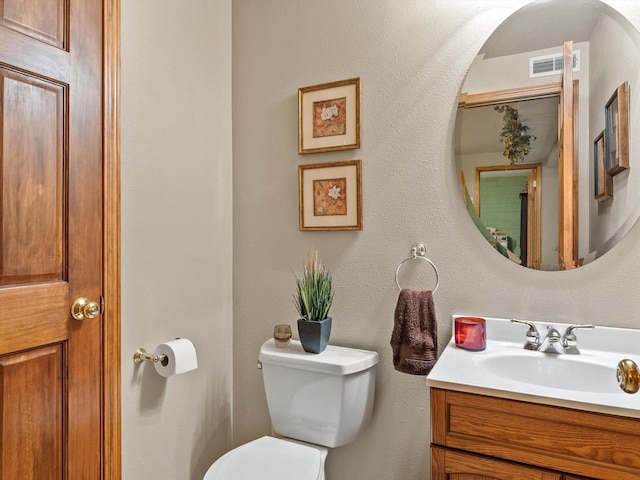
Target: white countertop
x,y
600,351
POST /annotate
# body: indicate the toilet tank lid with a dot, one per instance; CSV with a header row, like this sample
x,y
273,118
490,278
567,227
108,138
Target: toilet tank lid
x,y
334,360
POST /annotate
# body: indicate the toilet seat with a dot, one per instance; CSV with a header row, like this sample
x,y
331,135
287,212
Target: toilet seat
x,y
268,458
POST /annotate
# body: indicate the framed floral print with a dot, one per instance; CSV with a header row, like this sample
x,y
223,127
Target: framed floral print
x,y
329,117
330,196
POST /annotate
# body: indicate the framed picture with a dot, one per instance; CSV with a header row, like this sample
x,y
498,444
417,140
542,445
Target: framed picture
x,y
603,182
330,196
617,130
329,117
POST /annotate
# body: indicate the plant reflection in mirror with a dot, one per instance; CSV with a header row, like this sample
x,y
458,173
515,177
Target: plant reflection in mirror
x,y
517,142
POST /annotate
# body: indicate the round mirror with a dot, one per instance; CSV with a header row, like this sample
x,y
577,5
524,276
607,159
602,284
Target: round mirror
x,y
545,134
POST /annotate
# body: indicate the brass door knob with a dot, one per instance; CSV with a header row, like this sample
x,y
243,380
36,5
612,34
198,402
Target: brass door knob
x,y
628,376
83,308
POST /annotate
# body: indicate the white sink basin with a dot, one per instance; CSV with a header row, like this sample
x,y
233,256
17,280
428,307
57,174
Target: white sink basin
x,y
581,373
505,369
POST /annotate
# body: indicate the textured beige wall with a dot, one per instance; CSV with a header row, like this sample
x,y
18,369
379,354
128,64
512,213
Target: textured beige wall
x,y
176,232
412,57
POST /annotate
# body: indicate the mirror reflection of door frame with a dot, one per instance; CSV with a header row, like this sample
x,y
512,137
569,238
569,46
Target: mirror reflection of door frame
x,y
510,95
567,209
568,166
534,217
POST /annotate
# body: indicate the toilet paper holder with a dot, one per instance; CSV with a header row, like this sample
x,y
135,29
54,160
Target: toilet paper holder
x,y
142,355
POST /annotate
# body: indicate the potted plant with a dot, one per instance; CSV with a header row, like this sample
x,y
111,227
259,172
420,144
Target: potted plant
x,y
517,142
313,297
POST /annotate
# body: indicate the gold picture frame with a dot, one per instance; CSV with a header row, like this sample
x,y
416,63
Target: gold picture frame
x,y
603,182
329,117
330,196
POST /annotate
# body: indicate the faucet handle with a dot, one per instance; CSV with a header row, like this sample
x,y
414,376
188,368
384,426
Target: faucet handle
x,y
573,327
569,336
569,339
533,337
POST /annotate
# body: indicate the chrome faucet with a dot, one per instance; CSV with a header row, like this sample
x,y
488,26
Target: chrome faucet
x,y
553,341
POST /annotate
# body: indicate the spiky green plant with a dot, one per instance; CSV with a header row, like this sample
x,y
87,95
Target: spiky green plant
x,y
314,293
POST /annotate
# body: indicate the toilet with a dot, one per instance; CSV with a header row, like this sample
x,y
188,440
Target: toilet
x,y
316,402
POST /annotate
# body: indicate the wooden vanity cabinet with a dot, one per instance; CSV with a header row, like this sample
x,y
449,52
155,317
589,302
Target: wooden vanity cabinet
x,y
476,437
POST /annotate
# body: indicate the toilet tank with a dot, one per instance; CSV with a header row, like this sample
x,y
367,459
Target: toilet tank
x,y
324,398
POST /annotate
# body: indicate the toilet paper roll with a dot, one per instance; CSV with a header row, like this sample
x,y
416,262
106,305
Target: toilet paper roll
x,y
180,357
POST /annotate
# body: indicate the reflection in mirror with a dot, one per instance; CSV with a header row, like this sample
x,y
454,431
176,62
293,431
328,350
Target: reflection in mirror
x,y
507,198
563,221
503,197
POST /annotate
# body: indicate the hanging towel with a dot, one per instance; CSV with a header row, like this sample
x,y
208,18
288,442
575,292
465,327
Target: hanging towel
x,y
414,340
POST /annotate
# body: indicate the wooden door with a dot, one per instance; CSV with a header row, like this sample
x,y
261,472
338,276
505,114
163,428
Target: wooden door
x,y
50,238
534,219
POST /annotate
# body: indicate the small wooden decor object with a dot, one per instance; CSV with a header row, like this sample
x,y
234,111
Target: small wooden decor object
x,y
330,196
329,117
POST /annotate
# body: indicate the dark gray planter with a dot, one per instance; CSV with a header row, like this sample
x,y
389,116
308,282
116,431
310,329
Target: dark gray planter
x,y
314,336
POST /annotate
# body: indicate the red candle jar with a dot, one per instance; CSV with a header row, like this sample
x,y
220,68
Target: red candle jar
x,y
470,333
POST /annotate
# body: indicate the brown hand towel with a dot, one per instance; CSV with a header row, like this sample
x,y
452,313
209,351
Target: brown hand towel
x,y
414,339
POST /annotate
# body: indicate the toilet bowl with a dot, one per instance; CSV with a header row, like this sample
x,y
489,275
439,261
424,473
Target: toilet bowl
x,y
269,458
316,402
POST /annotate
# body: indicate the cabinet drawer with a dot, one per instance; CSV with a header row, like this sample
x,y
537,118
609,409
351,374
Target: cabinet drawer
x,y
580,443
450,465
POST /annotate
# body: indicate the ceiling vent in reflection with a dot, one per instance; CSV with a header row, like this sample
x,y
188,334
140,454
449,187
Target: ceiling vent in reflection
x,y
551,64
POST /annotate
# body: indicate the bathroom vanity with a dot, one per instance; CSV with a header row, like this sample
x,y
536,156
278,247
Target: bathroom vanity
x,y
510,413
486,437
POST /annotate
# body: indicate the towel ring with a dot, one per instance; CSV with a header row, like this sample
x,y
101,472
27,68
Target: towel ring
x,y
417,253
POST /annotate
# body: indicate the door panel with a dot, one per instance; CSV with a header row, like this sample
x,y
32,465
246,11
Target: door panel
x,y
45,21
51,236
31,412
32,174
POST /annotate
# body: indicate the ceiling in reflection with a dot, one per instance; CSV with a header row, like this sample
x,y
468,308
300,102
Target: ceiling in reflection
x,y
545,27
480,128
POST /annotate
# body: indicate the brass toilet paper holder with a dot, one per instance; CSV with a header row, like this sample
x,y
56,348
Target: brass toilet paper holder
x,y
141,355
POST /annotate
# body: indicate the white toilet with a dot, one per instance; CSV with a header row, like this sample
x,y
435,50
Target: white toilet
x,y
316,401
